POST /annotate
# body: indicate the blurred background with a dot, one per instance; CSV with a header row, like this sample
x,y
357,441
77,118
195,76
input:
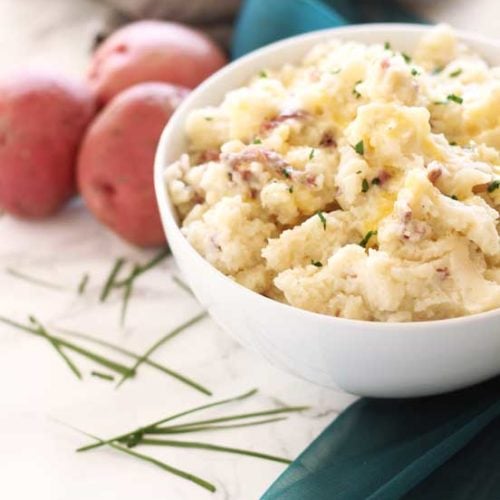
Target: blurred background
x,y
61,33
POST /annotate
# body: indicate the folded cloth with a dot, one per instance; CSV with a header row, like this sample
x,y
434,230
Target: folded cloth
x,y
265,21
441,447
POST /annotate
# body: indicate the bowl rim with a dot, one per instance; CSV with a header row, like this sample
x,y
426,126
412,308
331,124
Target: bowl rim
x,y
163,199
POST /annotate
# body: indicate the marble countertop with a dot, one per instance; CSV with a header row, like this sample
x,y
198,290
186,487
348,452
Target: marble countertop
x,y
39,392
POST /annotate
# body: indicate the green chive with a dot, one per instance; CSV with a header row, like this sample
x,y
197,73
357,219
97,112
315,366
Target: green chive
x,y
162,341
437,70
110,280
455,98
182,285
42,330
311,154
83,284
456,73
367,237
453,197
387,46
494,185
142,268
230,418
290,189
32,279
316,263
262,74
257,141
212,447
286,173
414,72
130,354
406,57
207,428
112,365
376,181
453,143
104,376
359,148
321,218
169,419
355,90
162,465
209,118
127,293
365,186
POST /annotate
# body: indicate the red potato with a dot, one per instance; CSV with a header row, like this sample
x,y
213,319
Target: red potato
x,y
152,51
42,120
115,165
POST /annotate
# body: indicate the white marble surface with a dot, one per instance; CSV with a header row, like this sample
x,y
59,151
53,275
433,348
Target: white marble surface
x,y
38,453
37,458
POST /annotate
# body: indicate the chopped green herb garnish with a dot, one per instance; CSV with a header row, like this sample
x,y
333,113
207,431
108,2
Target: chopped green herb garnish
x,y
360,148
358,172
103,376
32,279
456,73
367,237
133,355
286,173
83,284
414,72
139,436
311,154
110,280
290,189
316,263
376,181
322,219
262,74
406,57
387,46
44,333
453,143
335,71
355,90
166,419
160,342
437,70
453,197
365,186
96,358
455,98
492,186
256,141
440,103
209,118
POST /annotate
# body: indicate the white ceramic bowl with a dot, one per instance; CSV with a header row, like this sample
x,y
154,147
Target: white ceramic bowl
x,y
365,358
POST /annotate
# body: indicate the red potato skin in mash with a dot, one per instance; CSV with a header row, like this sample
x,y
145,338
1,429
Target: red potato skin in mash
x,y
115,165
152,51
42,119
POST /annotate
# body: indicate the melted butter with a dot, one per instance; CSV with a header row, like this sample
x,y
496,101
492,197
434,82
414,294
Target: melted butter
x,y
383,208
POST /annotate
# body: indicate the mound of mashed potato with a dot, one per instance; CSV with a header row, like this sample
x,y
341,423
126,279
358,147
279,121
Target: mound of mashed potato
x,y
362,182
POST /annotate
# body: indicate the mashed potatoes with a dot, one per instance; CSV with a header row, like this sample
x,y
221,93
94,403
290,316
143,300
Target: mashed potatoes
x,y
362,183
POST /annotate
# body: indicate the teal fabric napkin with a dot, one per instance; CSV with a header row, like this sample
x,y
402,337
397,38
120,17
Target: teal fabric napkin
x,y
264,21
437,448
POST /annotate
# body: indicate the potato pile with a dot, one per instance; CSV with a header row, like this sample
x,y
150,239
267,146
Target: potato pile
x,y
98,137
